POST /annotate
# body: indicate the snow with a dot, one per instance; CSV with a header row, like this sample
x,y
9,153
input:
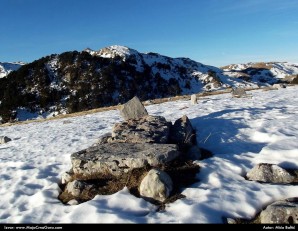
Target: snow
x,y
116,50
277,69
241,132
6,68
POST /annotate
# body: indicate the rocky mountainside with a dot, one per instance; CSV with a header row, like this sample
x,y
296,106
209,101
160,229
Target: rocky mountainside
x,y
76,81
6,68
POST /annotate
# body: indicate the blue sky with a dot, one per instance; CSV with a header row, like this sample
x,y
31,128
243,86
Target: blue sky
x,y
214,32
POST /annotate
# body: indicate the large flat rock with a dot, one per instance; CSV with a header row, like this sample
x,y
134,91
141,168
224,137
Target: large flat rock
x,y
148,129
117,158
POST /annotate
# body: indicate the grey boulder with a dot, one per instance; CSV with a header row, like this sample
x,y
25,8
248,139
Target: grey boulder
x,y
156,185
281,212
270,173
133,109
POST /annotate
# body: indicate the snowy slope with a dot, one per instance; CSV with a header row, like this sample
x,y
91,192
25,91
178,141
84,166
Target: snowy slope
x,y
262,72
6,68
240,133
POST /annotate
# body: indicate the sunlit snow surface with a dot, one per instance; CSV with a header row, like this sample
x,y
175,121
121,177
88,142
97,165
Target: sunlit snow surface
x,y
240,133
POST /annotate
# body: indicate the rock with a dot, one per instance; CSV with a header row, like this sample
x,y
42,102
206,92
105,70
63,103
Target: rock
x,y
194,153
156,185
193,99
281,212
103,139
76,188
270,173
4,139
279,86
133,109
182,132
148,129
117,158
73,202
238,92
66,177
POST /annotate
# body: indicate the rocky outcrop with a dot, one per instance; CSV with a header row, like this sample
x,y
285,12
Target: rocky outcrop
x,y
148,129
156,185
182,132
133,109
4,139
281,212
117,158
270,173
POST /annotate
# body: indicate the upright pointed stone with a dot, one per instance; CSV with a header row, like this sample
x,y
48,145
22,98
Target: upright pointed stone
x,y
182,132
193,99
133,109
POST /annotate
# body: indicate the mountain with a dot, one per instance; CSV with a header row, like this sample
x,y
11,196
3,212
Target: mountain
x,y
270,72
76,81
6,68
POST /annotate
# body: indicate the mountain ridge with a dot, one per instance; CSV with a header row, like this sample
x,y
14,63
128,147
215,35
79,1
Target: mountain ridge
x,y
75,81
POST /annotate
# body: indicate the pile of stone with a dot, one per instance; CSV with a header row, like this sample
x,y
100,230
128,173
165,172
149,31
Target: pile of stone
x,y
141,141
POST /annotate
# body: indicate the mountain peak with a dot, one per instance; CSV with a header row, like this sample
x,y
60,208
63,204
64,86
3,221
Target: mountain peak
x,y
116,50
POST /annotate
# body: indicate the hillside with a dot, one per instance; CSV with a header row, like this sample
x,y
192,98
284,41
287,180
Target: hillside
x,y
240,132
77,81
269,72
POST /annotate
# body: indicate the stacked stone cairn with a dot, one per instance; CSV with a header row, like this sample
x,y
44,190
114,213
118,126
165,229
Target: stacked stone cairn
x,y
142,141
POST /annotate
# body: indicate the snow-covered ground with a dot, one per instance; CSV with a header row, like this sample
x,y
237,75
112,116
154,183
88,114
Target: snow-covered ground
x,y
240,133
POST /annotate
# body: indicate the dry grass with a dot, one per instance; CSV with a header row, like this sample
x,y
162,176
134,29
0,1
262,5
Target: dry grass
x,y
261,65
102,109
76,114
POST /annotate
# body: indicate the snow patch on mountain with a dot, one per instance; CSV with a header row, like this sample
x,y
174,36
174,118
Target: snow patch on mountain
x,y
113,51
6,68
193,77
269,72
